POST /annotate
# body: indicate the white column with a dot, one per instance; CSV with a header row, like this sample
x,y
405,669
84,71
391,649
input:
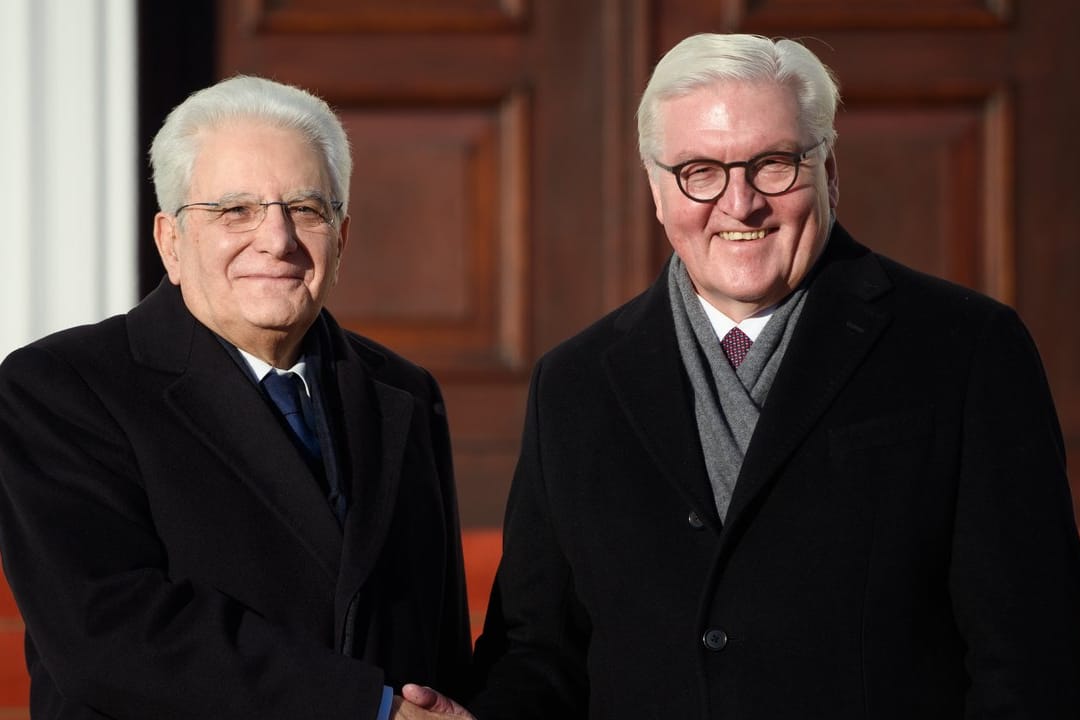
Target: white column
x,y
68,178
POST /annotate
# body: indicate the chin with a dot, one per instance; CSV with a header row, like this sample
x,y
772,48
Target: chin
x,y
747,293
279,318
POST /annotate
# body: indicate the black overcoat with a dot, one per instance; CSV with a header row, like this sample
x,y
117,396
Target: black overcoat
x,y
173,556
900,544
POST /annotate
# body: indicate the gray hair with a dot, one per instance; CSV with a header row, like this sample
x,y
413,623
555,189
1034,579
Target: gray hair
x,y
706,59
176,145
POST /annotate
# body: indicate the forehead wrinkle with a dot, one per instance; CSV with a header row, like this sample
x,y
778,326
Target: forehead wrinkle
x,y
731,121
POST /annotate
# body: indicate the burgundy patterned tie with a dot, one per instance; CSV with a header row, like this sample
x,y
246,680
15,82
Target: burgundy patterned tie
x,y
736,345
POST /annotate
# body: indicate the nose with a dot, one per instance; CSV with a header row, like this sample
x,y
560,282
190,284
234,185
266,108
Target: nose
x,y
276,234
740,199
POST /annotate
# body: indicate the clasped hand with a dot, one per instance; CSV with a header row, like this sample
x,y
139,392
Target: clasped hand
x,y
417,702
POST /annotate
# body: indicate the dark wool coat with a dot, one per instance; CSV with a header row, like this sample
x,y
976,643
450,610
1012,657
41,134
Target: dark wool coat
x,y
900,544
174,557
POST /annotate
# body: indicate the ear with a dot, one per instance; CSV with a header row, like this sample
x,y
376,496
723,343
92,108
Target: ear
x,y
832,174
166,236
342,242
654,186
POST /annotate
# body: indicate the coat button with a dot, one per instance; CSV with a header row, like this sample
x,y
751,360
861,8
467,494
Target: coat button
x,y
714,639
695,522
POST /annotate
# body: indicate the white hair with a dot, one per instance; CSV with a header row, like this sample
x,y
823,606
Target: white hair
x,y
706,59
244,97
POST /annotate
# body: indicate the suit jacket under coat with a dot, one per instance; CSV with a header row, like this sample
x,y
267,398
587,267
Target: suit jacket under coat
x,y
900,543
174,557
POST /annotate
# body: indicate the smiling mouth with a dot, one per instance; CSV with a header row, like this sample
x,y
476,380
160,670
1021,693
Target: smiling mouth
x,y
736,235
258,276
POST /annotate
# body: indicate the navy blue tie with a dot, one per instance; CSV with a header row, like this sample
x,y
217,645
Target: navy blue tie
x,y
284,390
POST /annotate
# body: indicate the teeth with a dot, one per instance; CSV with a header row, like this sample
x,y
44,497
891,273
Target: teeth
x,y
755,235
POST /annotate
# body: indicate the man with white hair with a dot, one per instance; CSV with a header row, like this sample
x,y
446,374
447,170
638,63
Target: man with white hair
x,y
222,504
793,479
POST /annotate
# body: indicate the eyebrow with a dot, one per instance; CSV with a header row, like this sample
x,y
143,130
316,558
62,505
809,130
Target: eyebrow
x,y
785,147
296,196
307,194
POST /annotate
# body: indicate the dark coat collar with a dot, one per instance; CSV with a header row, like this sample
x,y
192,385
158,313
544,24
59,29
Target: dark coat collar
x,y
838,326
230,417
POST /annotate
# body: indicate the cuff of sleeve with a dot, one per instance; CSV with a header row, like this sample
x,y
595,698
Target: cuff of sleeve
x,y
386,705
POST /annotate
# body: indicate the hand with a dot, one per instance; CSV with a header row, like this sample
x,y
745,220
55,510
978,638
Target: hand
x,y
423,703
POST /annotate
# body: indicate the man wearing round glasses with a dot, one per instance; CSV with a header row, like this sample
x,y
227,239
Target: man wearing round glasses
x,y
222,504
793,479
745,192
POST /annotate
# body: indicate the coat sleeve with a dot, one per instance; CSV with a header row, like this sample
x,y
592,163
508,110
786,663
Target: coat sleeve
x,y
1015,567
531,655
455,639
107,628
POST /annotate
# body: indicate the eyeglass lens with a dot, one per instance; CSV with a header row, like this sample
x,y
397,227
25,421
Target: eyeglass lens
x,y
243,215
769,175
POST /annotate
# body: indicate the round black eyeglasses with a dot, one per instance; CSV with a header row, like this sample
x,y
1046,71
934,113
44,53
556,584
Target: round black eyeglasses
x,y
770,173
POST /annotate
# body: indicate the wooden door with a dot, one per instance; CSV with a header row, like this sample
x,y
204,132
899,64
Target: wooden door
x,y
498,205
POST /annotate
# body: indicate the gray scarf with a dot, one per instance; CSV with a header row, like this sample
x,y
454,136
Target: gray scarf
x,y
727,402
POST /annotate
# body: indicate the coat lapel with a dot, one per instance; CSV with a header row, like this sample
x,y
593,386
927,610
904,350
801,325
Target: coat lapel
x,y
838,327
648,378
227,414
375,430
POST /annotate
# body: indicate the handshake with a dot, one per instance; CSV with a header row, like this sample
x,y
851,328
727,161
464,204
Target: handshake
x,y
417,703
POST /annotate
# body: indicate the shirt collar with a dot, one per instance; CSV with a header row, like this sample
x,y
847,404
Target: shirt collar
x,y
261,369
722,324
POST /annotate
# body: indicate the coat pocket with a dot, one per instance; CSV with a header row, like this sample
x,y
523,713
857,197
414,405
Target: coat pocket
x,y
903,428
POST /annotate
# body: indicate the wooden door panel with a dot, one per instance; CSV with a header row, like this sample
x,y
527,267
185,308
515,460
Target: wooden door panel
x,y
388,15
498,204
434,268
936,159
887,15
492,153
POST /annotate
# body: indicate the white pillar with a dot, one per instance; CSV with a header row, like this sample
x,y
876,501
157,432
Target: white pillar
x,y
68,177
